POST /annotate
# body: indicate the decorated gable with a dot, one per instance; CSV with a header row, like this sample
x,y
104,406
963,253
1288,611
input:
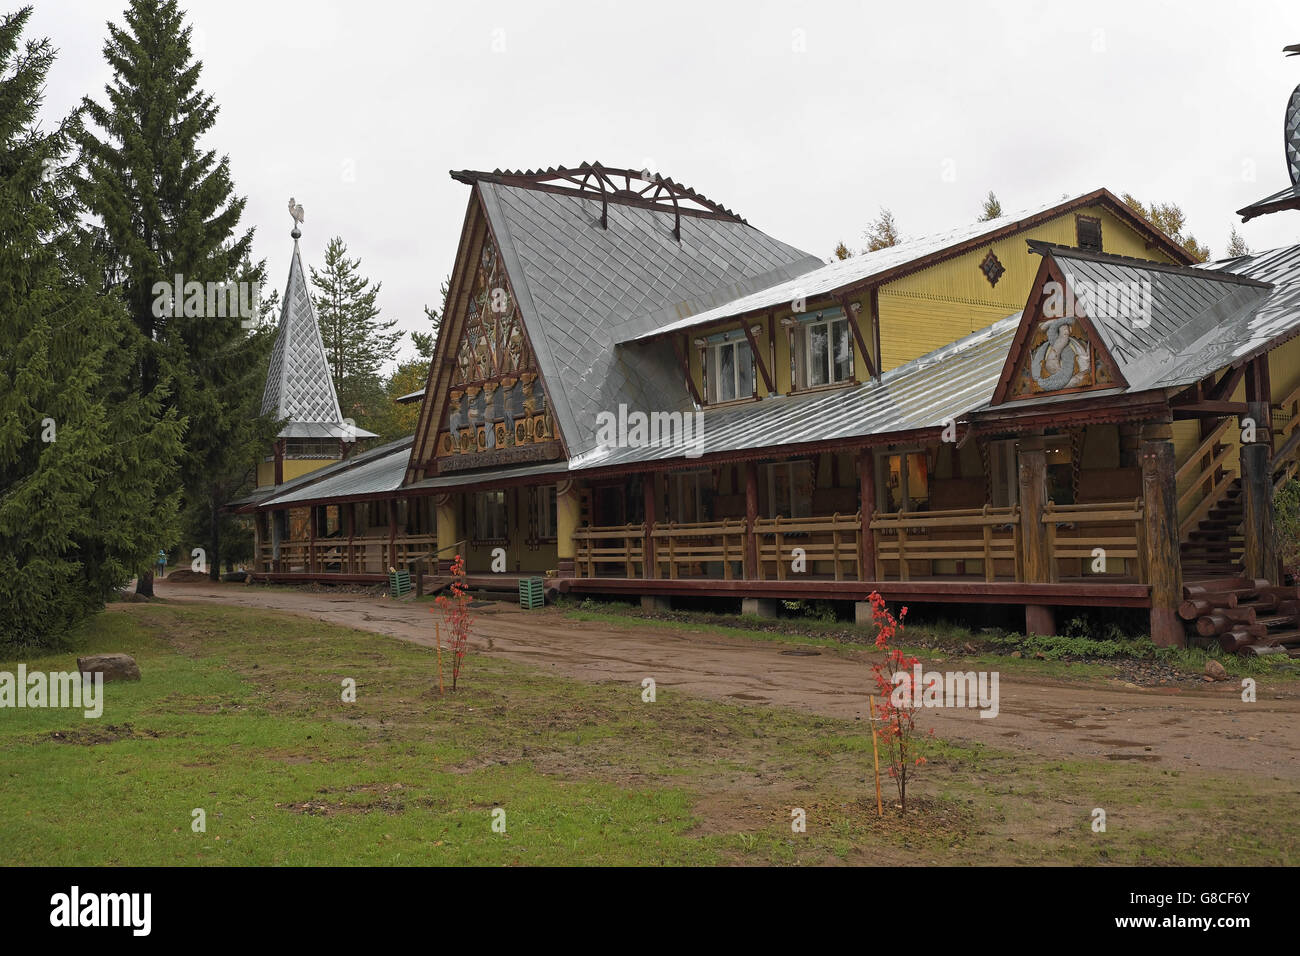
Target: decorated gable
x,y
496,407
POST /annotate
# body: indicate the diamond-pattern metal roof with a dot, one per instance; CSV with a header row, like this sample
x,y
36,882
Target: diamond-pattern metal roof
x,y
299,386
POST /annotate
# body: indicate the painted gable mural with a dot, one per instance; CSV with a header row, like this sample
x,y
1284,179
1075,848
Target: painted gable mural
x,y
496,408
1061,355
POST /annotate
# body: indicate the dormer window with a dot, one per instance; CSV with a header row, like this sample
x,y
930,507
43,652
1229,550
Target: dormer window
x,y
824,351
1088,233
730,371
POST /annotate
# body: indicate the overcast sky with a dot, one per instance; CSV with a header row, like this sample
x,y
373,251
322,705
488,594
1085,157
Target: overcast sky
x,y
805,118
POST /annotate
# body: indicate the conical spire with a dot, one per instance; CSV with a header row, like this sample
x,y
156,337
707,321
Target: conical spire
x,y
299,386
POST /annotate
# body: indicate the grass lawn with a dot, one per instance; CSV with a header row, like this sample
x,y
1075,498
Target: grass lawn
x,y
240,714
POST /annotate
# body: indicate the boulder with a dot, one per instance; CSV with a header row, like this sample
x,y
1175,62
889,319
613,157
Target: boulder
x,y
112,666
1214,670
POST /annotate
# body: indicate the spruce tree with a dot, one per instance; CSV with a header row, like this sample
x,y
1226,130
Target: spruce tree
x,y
357,341
164,207
82,465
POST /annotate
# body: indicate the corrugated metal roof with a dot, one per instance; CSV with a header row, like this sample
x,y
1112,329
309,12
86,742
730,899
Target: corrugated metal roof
x,y
580,286
1288,198
922,393
511,473
837,275
373,472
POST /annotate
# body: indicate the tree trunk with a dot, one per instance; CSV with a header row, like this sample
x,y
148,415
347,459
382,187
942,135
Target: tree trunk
x,y
214,556
144,583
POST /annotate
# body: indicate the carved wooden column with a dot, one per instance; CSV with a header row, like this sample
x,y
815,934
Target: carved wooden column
x,y
278,449
867,498
1036,555
392,533
1160,533
568,515
448,518
1257,493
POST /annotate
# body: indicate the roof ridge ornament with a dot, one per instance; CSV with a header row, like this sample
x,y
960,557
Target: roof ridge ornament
x,y
296,211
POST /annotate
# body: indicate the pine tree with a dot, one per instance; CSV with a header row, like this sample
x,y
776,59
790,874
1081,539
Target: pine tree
x,y
82,464
357,341
841,251
992,208
164,207
883,232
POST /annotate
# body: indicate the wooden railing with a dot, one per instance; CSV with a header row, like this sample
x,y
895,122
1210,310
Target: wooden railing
x,y
1077,531
620,546
1286,440
987,534
687,550
1212,474
831,539
368,555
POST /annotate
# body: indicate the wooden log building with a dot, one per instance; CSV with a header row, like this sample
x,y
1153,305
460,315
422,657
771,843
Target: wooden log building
x,y
636,392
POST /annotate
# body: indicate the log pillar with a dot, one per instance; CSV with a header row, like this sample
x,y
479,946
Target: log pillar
x,y
867,502
257,541
1257,494
568,515
311,539
650,569
1036,558
350,526
278,448
392,533
277,538
751,517
1163,558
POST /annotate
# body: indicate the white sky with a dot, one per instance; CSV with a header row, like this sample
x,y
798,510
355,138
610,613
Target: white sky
x,y
804,118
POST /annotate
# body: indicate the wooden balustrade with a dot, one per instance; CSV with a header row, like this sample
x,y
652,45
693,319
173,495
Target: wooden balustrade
x,y
1076,531
987,534
686,550
831,539
619,545
1212,472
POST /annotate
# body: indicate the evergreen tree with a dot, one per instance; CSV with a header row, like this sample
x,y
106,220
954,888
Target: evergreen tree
x,y
842,252
357,341
883,232
83,464
992,208
163,206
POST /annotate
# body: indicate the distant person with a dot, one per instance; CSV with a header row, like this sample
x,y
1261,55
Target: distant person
x,y
162,564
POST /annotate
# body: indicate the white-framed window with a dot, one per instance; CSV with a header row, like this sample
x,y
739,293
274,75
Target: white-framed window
x,y
827,351
490,516
789,489
731,371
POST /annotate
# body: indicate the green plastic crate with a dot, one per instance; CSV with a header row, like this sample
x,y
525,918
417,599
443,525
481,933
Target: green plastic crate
x,y
399,583
532,593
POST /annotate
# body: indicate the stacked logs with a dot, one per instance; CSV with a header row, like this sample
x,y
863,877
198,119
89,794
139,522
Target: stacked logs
x,y
1249,617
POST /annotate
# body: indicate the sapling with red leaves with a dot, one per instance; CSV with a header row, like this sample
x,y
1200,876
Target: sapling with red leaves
x,y
897,710
456,617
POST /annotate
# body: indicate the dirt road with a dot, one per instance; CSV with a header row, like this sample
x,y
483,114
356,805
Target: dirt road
x,y
1209,728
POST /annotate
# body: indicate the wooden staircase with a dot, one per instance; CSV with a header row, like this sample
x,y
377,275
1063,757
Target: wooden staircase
x,y
1243,616
1214,547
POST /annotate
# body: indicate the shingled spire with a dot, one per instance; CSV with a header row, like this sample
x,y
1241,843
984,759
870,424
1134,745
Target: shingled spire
x,y
299,386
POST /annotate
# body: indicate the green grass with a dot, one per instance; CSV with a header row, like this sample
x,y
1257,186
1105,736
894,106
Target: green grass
x,y
239,713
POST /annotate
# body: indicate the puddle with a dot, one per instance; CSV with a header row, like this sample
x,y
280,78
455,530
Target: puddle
x,y
1144,757
801,653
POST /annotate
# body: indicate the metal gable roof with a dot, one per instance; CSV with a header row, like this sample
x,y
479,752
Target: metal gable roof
x,y
1194,322
858,269
579,285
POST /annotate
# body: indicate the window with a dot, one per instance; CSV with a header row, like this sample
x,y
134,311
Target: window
x,y
490,516
906,481
1088,230
789,489
731,371
690,496
542,503
827,352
